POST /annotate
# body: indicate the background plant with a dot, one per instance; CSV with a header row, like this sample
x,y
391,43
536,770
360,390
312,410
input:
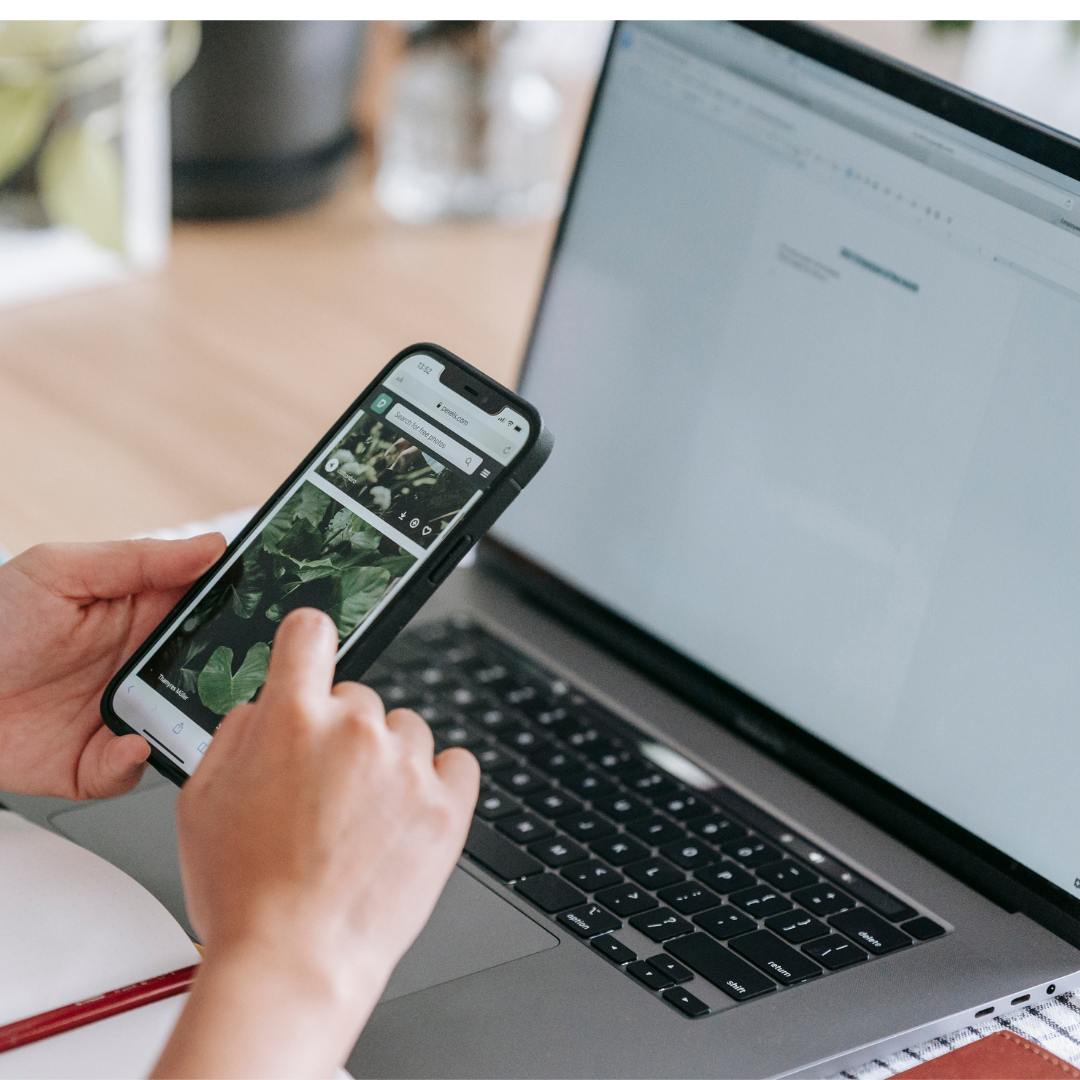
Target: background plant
x,y
61,117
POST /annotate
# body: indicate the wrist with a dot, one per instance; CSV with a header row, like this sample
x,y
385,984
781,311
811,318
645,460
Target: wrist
x,y
257,1009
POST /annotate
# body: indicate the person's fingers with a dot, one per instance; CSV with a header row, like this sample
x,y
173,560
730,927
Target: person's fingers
x,y
111,764
460,772
359,697
122,567
230,735
302,659
411,729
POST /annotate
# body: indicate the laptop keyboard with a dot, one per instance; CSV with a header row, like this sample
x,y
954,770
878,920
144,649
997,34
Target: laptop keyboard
x,y
581,823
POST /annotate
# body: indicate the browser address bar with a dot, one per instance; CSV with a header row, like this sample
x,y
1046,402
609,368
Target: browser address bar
x,y
425,434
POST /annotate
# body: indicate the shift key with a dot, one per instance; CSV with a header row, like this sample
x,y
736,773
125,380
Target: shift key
x,y
500,856
723,969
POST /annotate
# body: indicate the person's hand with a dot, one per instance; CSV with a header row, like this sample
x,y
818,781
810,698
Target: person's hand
x,y
70,615
315,838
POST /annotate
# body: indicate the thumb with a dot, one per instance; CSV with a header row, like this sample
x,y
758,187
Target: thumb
x,y
110,764
123,567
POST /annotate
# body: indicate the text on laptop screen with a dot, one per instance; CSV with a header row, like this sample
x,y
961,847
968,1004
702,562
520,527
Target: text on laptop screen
x,y
820,352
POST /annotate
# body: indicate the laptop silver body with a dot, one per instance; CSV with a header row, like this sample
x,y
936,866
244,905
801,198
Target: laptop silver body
x,y
807,351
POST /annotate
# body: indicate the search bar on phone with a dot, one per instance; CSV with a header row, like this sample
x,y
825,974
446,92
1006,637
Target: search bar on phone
x,y
429,437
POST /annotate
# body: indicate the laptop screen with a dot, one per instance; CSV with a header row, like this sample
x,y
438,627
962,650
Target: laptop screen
x,y
812,359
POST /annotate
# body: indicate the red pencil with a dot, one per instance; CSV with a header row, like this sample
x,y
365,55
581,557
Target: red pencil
x,y
67,1017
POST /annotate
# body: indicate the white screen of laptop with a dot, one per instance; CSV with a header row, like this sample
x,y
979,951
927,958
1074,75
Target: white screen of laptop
x,y
812,360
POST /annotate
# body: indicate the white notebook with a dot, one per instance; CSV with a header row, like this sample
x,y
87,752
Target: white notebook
x,y
73,926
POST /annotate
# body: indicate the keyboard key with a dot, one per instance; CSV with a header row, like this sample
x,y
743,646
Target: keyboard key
x,y
521,781
661,924
797,926
725,922
609,754
656,830
653,785
499,855
492,759
589,920
689,854
460,735
869,930
686,1002
835,952
558,851
614,949
550,892
869,893
549,719
524,827
688,897
760,901
750,852
685,806
556,762
494,804
587,825
787,875
823,899
582,737
631,769
626,899
645,973
623,807
492,719
670,967
554,804
654,873
778,960
523,739
923,928
724,877
591,876
590,785
717,829
619,849
720,967
491,675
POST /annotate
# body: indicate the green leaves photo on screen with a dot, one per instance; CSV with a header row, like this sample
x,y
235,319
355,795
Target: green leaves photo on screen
x,y
312,553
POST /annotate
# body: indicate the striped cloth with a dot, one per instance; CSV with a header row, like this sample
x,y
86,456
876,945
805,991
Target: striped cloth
x,y
1054,1025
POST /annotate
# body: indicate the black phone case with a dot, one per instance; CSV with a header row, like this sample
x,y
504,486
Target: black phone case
x,y
419,588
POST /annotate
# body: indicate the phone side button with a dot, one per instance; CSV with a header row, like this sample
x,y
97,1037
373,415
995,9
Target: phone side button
x,y
450,560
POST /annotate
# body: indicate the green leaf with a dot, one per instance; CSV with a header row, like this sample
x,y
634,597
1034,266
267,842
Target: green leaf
x,y
313,504
24,114
366,542
81,184
302,541
195,648
343,525
220,690
396,565
248,591
358,591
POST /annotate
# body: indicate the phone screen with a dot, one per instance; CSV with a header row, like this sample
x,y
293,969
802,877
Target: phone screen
x,y
370,510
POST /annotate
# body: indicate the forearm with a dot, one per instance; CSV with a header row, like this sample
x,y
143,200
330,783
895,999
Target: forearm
x,y
252,1014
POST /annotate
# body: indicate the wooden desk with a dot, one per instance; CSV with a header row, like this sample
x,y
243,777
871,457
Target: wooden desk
x,y
196,390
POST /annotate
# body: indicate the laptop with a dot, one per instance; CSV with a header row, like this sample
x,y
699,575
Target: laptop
x,y
772,671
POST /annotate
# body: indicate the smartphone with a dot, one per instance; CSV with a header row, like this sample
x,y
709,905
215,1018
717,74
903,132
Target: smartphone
x,y
371,522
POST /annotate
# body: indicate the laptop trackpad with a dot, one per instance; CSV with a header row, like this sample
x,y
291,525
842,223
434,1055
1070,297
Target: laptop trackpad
x,y
471,928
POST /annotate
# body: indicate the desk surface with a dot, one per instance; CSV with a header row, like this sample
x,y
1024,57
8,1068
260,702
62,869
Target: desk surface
x,y
195,390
